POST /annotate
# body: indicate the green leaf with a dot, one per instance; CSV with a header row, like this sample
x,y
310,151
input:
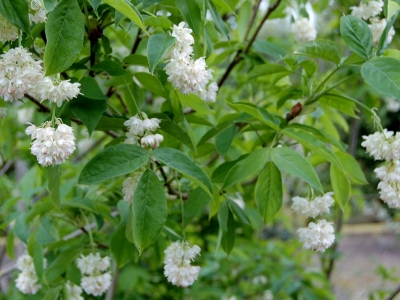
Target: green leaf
x,y
111,67
113,161
351,167
16,12
64,31
311,142
107,123
198,199
228,235
156,47
121,248
392,8
184,165
352,59
383,41
221,4
49,5
129,234
43,235
268,192
95,4
91,89
246,167
220,173
128,11
224,139
383,74
191,13
340,102
258,112
149,207
53,293
341,186
10,244
21,229
223,216
151,83
269,48
89,111
38,260
239,212
357,35
53,173
322,49
177,132
158,21
137,60
294,163
194,102
267,69
219,23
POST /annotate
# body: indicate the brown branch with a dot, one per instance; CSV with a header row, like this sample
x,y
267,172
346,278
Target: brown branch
x,y
253,18
212,159
99,245
171,191
238,56
394,294
137,42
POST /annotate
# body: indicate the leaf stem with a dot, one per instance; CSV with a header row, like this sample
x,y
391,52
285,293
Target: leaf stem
x,y
131,93
89,231
182,206
312,96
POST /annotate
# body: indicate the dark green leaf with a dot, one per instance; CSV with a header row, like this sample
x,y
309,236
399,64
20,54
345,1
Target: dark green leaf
x,y
113,161
357,35
269,48
64,31
239,212
184,165
351,167
341,186
224,139
137,60
21,229
294,163
158,21
383,41
53,293
43,235
150,83
10,244
121,248
197,201
191,13
157,46
108,123
16,12
91,89
89,111
228,237
95,4
322,49
246,167
267,69
38,260
268,192
149,207
194,102
128,10
219,23
53,173
111,67
220,173
177,132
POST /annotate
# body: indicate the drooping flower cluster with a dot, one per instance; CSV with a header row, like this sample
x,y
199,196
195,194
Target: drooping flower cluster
x,y
386,146
8,32
140,130
96,278
20,74
367,10
37,12
377,26
51,146
185,73
320,235
303,31
74,291
177,266
27,280
129,186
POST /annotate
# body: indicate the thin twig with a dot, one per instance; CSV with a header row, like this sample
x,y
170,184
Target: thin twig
x,y
252,19
171,191
238,56
137,42
212,159
394,294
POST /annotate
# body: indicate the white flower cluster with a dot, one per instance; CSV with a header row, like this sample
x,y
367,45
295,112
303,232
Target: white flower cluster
x,y
37,12
20,74
129,186
8,32
185,73
317,236
303,31
392,104
96,279
141,130
74,291
51,146
177,266
367,10
377,26
26,281
386,146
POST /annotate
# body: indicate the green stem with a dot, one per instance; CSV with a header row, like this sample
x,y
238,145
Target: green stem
x,y
86,15
148,13
182,207
110,105
53,114
310,99
89,231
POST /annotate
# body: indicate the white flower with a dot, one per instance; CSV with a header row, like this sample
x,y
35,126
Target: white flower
x,y
317,236
96,284
392,104
8,32
19,73
25,263
51,146
56,91
135,125
177,266
303,30
359,11
183,38
152,140
318,206
367,10
301,205
389,173
74,291
151,124
93,263
37,12
382,146
268,295
260,279
377,26
25,115
129,186
390,193
180,274
26,283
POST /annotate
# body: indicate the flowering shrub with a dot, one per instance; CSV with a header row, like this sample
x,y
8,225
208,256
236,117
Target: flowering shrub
x,y
174,127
